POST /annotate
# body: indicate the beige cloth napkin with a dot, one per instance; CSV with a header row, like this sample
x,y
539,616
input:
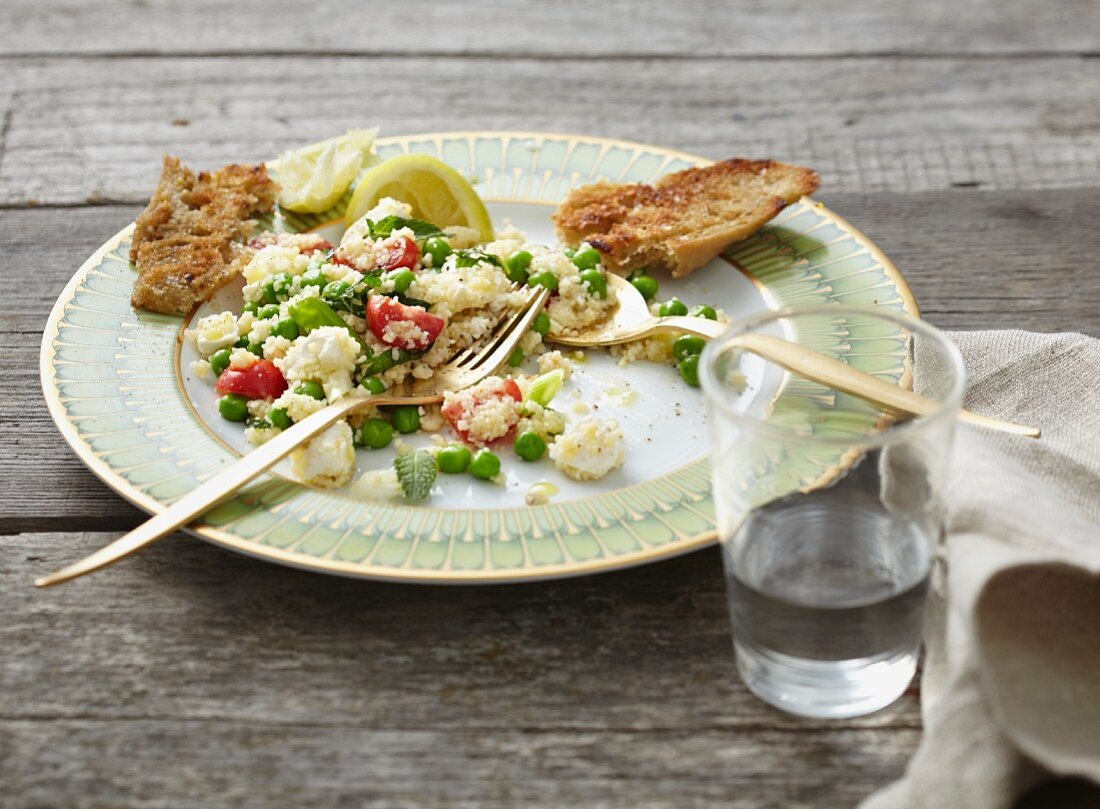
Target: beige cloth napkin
x,y
1011,683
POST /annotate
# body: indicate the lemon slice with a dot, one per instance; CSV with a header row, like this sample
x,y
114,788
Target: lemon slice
x,y
436,192
312,179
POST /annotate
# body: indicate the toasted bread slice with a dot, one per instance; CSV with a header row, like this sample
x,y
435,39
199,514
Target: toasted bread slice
x,y
188,241
683,220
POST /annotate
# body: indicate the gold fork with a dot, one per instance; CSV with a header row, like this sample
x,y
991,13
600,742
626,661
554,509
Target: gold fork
x,y
467,367
634,321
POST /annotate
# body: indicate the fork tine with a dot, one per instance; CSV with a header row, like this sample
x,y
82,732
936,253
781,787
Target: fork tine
x,y
504,340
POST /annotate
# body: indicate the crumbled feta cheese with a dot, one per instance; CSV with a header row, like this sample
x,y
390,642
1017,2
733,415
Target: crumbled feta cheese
x,y
326,355
589,449
377,484
214,332
328,460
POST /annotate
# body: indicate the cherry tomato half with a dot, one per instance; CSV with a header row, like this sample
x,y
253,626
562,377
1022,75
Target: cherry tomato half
x,y
260,380
382,311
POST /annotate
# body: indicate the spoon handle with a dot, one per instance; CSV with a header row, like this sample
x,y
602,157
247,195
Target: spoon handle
x,y
819,368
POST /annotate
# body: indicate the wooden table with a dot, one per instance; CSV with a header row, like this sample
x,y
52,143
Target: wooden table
x,y
963,136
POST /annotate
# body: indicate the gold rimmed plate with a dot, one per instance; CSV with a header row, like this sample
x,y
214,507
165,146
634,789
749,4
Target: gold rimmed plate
x,y
118,385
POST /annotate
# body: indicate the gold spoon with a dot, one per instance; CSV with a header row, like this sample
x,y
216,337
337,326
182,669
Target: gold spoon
x,y
633,321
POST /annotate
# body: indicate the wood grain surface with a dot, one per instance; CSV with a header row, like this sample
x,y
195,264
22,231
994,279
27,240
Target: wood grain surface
x,y
963,137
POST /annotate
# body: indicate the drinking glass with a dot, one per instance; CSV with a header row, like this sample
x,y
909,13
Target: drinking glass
x,y
829,508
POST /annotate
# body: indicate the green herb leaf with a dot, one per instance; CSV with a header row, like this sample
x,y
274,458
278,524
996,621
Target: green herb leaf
x,y
473,257
387,225
385,359
416,473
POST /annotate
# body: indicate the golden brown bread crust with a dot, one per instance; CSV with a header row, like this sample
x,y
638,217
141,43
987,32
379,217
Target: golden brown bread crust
x,y
188,241
685,219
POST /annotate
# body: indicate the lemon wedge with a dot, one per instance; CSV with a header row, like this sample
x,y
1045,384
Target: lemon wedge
x,y
313,178
436,192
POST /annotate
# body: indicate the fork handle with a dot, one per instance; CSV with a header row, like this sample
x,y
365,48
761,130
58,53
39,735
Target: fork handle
x,y
218,488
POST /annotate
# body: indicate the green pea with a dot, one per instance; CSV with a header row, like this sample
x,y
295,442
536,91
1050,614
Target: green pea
x,y
251,306
402,280
544,279
242,343
673,306
219,361
529,445
373,384
596,283
233,407
267,312
647,285
689,369
516,268
688,345
278,287
702,310
374,433
279,417
454,459
286,328
438,249
485,465
541,324
311,388
256,348
515,358
406,418
313,277
335,290
586,259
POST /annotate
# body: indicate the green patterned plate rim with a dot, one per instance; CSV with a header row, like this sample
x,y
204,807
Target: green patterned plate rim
x,y
110,382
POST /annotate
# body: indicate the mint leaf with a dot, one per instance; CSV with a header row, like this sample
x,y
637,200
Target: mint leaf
x,y
416,473
387,225
471,258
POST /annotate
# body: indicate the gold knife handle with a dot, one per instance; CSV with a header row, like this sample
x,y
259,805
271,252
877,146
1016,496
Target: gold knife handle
x,y
218,488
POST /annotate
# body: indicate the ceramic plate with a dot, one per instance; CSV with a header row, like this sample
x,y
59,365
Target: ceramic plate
x,y
118,386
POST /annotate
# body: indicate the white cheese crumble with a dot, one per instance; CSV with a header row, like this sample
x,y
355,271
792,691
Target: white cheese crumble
x,y
214,332
328,460
326,355
589,449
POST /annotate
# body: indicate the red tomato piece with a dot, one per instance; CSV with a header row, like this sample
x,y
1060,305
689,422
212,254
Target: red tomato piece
x,y
403,253
260,380
306,243
382,311
314,245
455,412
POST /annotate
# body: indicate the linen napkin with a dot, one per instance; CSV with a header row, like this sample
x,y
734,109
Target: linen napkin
x,y
1011,681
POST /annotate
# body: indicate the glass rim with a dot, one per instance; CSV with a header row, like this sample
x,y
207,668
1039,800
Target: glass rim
x,y
949,404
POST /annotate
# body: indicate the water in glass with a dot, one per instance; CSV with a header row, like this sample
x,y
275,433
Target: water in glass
x,y
826,595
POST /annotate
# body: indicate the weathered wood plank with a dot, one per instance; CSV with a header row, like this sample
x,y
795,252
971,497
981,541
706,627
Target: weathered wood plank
x,y
241,681
216,764
94,129
974,259
618,27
